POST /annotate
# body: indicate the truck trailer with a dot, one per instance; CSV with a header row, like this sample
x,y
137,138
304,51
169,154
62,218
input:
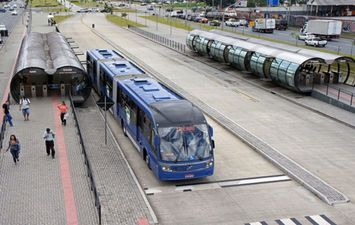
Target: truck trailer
x,y
264,25
324,29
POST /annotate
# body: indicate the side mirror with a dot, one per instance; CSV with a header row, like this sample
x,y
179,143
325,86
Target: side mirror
x,y
156,140
210,130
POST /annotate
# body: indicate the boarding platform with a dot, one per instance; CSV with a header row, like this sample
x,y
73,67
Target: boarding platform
x,y
39,189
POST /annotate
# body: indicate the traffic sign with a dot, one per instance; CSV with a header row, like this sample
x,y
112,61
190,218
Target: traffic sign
x,y
105,103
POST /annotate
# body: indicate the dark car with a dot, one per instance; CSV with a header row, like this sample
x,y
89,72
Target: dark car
x,y
281,25
2,10
215,23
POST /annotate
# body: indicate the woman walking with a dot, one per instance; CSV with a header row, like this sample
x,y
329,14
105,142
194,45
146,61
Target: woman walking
x,y
8,117
14,146
63,108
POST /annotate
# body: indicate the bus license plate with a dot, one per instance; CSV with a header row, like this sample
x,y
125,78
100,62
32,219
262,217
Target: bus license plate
x,y
189,176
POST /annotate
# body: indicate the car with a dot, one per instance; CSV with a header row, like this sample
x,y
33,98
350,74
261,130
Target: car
x,y
150,7
216,23
3,30
204,20
232,23
303,37
243,22
143,4
14,13
2,10
316,42
84,10
0,39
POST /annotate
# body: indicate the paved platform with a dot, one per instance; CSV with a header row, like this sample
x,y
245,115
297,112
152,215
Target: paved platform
x,y
39,189
122,200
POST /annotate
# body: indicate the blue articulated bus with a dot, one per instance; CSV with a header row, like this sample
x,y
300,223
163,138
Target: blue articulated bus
x,y
170,133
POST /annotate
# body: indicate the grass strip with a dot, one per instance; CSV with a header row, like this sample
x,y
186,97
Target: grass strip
x,y
121,21
87,4
44,3
125,10
59,19
170,22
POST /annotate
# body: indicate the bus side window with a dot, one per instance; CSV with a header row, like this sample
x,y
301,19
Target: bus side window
x,y
119,95
133,110
141,119
151,141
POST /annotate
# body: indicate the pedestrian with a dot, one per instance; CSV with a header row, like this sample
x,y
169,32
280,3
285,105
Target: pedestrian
x,y
25,107
8,117
49,136
63,108
14,146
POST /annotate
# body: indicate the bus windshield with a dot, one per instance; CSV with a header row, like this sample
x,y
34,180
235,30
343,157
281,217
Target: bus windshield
x,y
184,143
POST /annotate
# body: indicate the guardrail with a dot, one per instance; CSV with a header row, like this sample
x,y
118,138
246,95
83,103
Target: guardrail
x,y
87,163
342,95
160,39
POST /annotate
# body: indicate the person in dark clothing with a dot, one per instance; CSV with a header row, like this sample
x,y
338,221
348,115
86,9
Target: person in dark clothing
x,y
8,117
14,146
48,136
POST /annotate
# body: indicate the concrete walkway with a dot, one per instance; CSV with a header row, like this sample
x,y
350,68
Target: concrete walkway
x,y
39,189
122,199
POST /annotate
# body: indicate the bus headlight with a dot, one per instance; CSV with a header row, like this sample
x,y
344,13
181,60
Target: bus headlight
x,y
166,169
209,163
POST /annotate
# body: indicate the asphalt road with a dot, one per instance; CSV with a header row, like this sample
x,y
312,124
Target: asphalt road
x,y
343,46
10,20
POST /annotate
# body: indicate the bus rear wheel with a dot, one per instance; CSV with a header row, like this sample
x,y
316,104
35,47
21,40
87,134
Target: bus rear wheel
x,y
124,128
146,158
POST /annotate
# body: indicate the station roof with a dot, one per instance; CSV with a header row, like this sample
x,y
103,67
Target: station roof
x,y
330,2
49,52
258,46
299,53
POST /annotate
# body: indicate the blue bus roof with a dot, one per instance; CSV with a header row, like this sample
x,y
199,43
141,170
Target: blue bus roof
x,y
149,90
100,54
166,107
120,67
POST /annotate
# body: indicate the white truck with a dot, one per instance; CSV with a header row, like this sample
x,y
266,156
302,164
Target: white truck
x,y
264,25
324,29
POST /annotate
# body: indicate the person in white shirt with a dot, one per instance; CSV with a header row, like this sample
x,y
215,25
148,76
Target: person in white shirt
x,y
25,107
49,136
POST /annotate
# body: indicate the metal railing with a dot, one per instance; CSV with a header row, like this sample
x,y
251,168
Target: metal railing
x,y
87,163
339,94
160,39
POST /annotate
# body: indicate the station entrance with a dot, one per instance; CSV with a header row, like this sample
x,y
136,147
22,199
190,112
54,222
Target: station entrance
x,y
47,66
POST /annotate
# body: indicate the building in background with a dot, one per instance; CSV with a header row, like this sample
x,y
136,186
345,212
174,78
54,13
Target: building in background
x,y
330,8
